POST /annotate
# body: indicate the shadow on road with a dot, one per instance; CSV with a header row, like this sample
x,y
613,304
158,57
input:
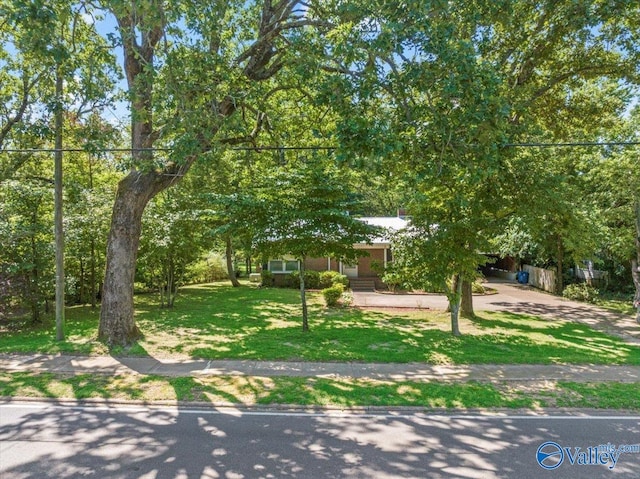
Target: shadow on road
x,y
65,442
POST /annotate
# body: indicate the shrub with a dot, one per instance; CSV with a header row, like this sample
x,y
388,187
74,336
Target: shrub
x,y
581,292
332,295
330,278
311,279
477,288
267,278
207,270
393,279
292,280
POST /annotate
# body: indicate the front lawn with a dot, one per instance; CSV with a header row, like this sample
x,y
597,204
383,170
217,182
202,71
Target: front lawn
x,y
217,321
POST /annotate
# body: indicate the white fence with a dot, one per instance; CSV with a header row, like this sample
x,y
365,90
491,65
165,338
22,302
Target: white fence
x,y
593,277
544,279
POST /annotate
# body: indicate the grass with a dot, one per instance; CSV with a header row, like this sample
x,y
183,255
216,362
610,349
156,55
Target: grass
x,y
344,393
621,305
219,322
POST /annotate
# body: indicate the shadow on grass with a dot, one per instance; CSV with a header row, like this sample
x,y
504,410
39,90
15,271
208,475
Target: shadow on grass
x,y
81,325
558,341
264,391
219,322
80,387
354,393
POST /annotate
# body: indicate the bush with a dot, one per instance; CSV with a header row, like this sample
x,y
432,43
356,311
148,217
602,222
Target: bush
x,y
477,288
333,294
292,280
581,292
330,278
207,270
393,279
267,278
311,280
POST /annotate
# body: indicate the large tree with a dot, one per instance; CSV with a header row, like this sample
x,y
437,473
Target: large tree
x,y
190,67
457,82
614,180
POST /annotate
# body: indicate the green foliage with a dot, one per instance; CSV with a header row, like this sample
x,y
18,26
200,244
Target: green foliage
x,y
478,78
331,278
477,288
311,279
292,280
263,324
393,277
581,292
26,256
173,237
333,294
303,213
342,392
207,270
267,278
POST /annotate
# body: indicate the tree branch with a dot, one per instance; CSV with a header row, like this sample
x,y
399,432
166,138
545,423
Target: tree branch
x,y
11,122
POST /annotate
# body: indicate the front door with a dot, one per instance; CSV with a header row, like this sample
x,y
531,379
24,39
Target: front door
x,y
350,270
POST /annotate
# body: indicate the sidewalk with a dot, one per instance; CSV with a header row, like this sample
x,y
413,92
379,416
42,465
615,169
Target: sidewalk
x,y
382,371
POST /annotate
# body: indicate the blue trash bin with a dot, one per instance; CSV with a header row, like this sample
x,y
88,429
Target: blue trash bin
x,y
522,277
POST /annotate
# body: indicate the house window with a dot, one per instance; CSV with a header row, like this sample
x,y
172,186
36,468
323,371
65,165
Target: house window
x,y
275,265
283,266
291,266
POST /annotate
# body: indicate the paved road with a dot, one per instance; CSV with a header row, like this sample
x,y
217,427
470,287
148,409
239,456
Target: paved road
x,y
516,298
48,441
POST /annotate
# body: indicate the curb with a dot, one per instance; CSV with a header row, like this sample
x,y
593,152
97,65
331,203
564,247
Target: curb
x,y
234,408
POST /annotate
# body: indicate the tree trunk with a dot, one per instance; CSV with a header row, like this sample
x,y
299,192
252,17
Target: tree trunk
x,y
230,270
560,260
303,299
92,261
81,289
466,307
454,297
635,264
58,209
35,276
94,289
117,326
172,287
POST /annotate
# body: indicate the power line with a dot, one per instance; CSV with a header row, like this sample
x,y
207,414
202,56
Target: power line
x,y
576,144
303,148
151,150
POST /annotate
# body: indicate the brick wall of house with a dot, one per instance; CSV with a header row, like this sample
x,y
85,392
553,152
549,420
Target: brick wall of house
x,y
320,264
365,269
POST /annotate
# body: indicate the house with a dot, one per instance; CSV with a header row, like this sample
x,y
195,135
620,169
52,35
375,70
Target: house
x,y
365,272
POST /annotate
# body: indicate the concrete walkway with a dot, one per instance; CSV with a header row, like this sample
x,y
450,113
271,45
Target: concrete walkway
x,y
110,365
516,298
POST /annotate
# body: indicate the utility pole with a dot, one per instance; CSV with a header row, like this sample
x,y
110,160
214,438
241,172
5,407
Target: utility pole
x,y
58,228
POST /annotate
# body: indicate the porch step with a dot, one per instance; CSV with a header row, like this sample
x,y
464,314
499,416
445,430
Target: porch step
x,y
358,284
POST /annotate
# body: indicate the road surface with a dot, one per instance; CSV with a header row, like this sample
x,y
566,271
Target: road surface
x,y
57,441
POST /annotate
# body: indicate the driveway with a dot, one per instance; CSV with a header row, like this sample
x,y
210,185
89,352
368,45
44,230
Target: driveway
x,y
515,298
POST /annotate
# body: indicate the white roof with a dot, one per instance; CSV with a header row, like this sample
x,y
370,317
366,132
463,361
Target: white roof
x,y
392,224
